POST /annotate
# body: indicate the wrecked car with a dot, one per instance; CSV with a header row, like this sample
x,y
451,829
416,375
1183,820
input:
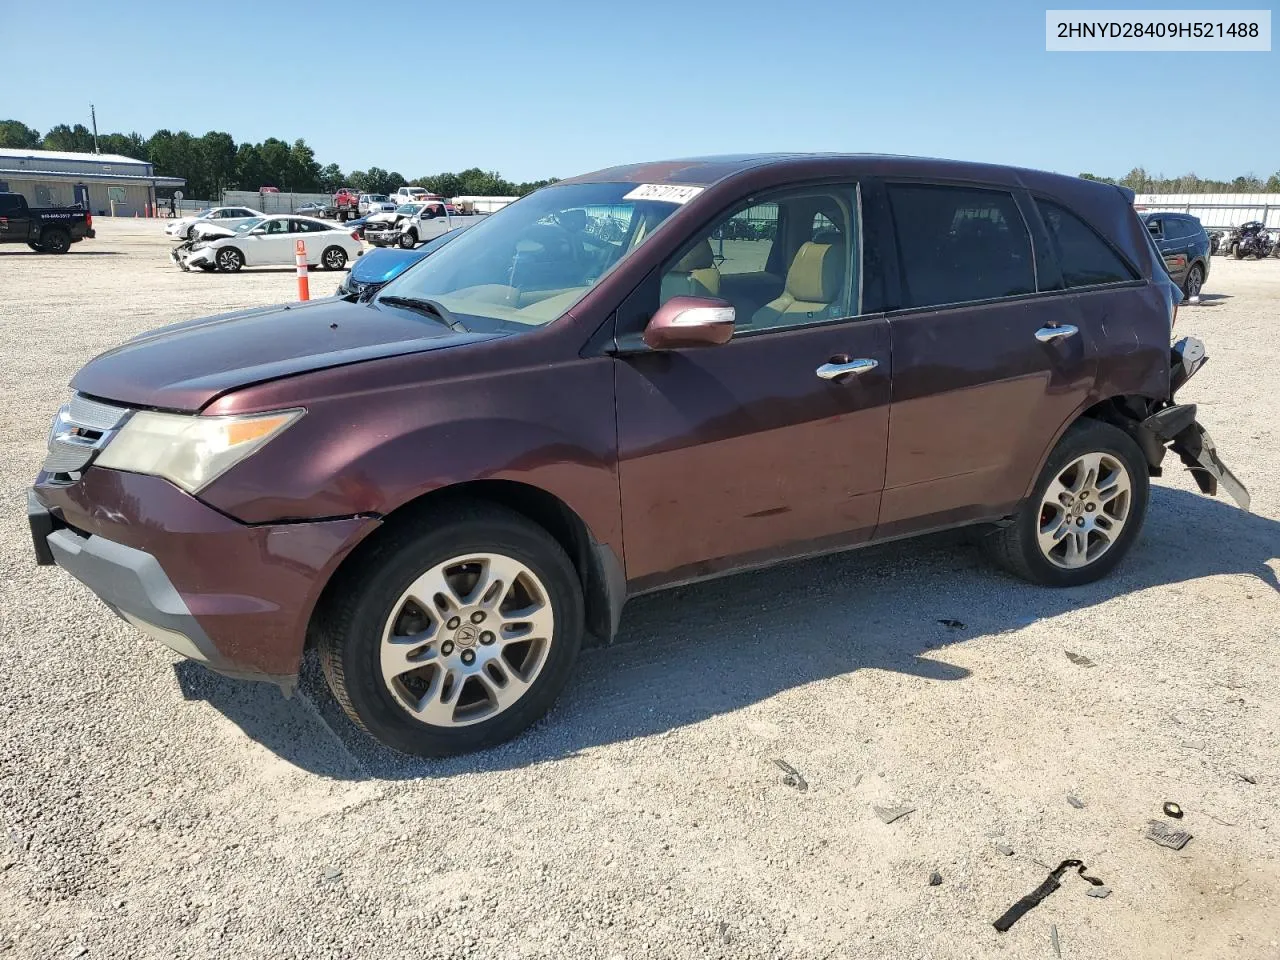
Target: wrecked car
x,y
270,240
447,489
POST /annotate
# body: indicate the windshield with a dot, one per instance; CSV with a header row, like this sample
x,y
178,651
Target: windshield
x,y
378,197
536,258
409,208
249,225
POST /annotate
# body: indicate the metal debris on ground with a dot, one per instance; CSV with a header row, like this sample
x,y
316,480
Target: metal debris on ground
x,y
333,874
935,879
1005,849
952,624
1100,892
1171,809
1053,939
1246,777
1038,895
1173,839
890,814
1075,802
1079,659
792,777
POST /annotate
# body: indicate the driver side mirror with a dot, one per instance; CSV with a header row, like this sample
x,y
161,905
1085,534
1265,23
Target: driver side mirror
x,y
690,322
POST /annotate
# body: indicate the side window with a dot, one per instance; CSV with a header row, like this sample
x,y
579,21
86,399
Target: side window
x,y
1175,228
959,244
1155,226
277,227
744,241
1085,257
789,260
8,204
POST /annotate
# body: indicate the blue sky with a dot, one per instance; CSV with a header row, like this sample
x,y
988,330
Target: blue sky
x,y
552,89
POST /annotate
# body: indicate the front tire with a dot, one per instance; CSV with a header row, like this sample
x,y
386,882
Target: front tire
x,y
36,247
1084,514
229,260
408,241
1237,252
455,633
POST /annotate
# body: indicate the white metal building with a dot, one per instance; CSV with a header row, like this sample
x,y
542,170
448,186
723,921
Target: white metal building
x,y
104,183
1216,210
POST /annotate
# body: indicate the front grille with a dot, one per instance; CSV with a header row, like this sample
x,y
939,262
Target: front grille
x,y
81,428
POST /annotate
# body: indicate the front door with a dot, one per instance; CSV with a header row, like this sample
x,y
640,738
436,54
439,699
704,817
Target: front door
x,y
760,448
985,369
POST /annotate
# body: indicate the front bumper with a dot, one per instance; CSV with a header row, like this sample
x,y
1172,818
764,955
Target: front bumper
x,y
235,597
382,238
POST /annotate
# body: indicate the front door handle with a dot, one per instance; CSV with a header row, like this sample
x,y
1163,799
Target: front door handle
x,y
1050,334
834,371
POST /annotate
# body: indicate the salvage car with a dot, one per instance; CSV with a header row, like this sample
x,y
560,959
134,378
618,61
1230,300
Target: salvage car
x,y
376,203
266,241
383,229
377,268
230,217
444,489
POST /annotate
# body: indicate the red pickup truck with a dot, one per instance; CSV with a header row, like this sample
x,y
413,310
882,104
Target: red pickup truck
x,y
346,204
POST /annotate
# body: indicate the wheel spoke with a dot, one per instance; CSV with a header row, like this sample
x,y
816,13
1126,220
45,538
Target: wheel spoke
x,y
496,580
434,593
438,704
1051,533
1076,552
508,691
531,623
402,654
1058,492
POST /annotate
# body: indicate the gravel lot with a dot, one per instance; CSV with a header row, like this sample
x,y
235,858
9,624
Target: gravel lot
x,y
153,810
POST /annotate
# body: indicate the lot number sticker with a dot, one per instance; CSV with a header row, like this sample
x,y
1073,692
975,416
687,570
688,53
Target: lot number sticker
x,y
663,193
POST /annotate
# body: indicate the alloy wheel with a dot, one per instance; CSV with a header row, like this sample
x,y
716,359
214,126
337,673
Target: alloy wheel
x,y
1084,510
467,639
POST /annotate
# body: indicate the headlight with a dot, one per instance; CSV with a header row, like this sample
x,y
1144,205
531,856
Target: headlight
x,y
190,451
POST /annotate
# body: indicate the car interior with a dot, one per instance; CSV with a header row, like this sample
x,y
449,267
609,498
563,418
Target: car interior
x,y
782,263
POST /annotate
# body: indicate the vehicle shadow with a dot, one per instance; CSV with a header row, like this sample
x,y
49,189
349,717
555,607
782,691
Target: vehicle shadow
x,y
694,652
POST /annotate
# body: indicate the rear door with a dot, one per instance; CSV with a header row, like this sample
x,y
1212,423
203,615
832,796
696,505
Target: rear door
x,y
986,367
1175,248
756,449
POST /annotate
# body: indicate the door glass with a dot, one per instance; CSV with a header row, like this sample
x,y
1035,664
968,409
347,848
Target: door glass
x,y
277,227
1085,257
959,244
788,261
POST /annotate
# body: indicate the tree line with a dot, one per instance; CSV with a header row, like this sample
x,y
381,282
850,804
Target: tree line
x,y
216,162
1139,181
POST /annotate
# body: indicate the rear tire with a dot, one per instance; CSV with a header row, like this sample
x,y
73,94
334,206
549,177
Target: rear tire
x,y
420,596
333,258
1195,280
1236,252
55,241
1105,520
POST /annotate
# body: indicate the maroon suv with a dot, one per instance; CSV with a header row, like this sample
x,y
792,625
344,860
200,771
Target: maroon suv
x,y
631,379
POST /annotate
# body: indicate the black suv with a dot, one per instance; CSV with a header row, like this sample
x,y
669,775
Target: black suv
x,y
1184,244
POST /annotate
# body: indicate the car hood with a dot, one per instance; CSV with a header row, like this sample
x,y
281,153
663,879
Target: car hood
x,y
187,365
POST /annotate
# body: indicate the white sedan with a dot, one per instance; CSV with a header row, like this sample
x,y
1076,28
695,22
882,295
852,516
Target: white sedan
x,y
181,229
271,241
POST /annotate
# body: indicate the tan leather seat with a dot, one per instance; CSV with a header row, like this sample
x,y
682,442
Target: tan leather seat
x,y
693,275
814,282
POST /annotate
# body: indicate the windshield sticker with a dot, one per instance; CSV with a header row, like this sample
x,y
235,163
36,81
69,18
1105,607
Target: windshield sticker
x,y
663,193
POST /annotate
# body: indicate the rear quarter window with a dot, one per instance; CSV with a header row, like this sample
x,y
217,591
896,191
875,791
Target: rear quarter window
x,y
1086,259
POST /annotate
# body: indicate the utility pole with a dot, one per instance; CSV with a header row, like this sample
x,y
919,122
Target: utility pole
x,y
94,115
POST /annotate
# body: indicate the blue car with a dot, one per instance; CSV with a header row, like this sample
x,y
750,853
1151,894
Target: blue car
x,y
375,269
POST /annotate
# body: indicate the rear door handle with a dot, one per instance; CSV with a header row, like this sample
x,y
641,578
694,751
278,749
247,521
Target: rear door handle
x,y
834,371
1050,334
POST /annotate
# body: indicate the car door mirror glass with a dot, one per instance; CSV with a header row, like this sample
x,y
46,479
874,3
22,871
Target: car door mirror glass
x,y
690,322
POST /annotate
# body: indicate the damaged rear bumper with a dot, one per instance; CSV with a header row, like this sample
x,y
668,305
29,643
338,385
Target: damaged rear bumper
x,y
1175,426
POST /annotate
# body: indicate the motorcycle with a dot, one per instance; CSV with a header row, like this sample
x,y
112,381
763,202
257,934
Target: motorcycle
x,y
1250,238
